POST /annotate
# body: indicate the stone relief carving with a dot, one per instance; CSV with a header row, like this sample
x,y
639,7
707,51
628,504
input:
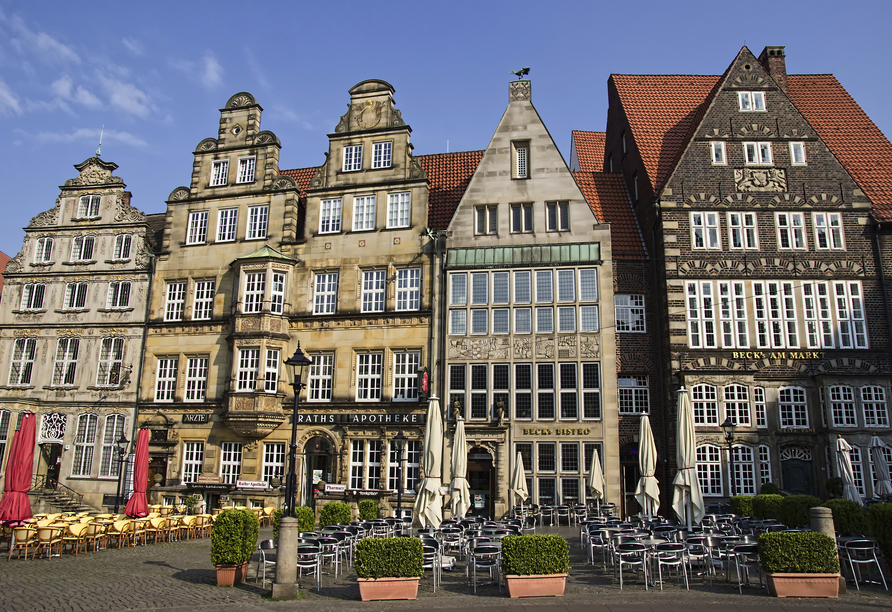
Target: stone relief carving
x,y
319,178
760,179
15,264
396,118
416,170
368,114
284,182
545,346
590,348
342,124
566,347
523,348
180,193
240,100
208,144
47,217
126,213
519,90
144,256
265,137
94,171
478,348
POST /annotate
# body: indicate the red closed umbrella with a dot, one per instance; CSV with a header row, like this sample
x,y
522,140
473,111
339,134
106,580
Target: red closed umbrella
x,y
137,505
15,505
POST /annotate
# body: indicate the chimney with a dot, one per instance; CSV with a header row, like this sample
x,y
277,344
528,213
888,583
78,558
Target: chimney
x,y
773,60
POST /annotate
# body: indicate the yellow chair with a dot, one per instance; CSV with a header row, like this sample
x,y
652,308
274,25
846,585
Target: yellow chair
x,y
53,517
24,539
75,537
172,528
165,510
138,528
120,530
267,518
96,534
155,528
49,539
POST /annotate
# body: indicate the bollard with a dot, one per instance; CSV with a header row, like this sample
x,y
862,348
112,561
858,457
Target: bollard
x,y
822,522
285,586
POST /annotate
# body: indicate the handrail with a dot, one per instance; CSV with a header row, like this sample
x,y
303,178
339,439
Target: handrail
x,y
61,492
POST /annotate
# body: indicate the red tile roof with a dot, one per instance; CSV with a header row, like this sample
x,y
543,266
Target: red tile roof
x,y
301,176
849,133
4,259
449,175
589,148
606,194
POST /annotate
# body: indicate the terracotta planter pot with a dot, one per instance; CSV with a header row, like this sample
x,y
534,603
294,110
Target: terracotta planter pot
x,y
545,585
241,572
371,589
803,585
226,575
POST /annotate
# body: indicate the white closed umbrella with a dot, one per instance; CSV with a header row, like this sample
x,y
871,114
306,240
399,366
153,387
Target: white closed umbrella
x,y
595,482
648,490
429,503
844,464
884,482
519,481
687,499
461,493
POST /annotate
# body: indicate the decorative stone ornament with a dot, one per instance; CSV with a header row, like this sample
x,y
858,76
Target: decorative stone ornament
x,y
760,179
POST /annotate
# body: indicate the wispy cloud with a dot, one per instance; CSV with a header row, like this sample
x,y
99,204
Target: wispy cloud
x,y
133,46
65,90
281,112
40,44
85,135
256,69
127,97
9,103
207,70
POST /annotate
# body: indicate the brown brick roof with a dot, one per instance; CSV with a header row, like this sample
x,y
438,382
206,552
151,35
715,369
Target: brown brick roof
x,y
449,175
4,259
589,150
606,194
301,176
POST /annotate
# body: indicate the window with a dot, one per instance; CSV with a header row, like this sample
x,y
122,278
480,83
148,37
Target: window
x,y
352,158
84,442
226,224
197,232
271,371
545,396
588,450
547,491
709,470
522,288
363,213
744,471
82,248
737,405
764,464
732,312
566,285
193,455
790,231
255,287
717,149
258,219
858,470
273,460
111,360
544,286
480,288
405,373
545,320
230,462
501,389
567,319
760,407
523,391
166,379
326,293
196,379
793,408
545,455
88,206
557,216
705,230
320,379
634,395
368,377
751,100
22,365
521,218
246,167
706,407
588,318
568,391
501,321
818,323
65,365
458,322
122,246
382,153
775,310
521,159
118,295
248,368
411,457
479,322
458,295
742,232
591,391
523,321
408,289
109,467
828,231
75,296
219,173
43,252
629,313
479,392
32,296
757,153
330,216
487,220
365,464
373,291
203,301
842,406
635,187
797,153
277,294
570,457
701,314
588,285
398,206
850,315
457,386
873,402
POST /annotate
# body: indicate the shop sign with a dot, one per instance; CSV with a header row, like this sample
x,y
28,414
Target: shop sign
x,y
560,431
366,493
208,480
252,484
362,418
796,431
197,418
210,486
778,354
335,488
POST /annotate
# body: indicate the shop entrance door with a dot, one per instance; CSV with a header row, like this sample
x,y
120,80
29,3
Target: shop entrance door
x,y
481,479
319,466
50,463
796,469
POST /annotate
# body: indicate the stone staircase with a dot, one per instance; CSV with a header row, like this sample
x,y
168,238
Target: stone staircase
x,y
56,497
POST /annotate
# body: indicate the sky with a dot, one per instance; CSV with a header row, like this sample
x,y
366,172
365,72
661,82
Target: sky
x,y
154,75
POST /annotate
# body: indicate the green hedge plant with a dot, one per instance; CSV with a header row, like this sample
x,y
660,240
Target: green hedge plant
x,y
368,510
533,555
794,510
233,537
306,520
389,558
769,488
834,486
881,527
803,552
767,506
334,513
848,516
742,505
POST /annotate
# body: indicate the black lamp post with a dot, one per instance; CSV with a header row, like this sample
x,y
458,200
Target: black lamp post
x,y
297,363
122,452
399,440
728,427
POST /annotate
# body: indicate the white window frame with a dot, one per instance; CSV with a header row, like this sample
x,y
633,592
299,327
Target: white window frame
x,y
589,319
566,319
227,224
352,158
751,101
745,460
479,321
21,364
633,394
369,376
501,321
760,407
775,313
544,320
113,429
523,320
254,292
479,288
373,290
709,470
271,371
75,296
458,289
850,321
557,216
486,220
32,296
874,406
700,301
523,287
273,460
382,154
399,208
364,213
458,322
65,363
325,294
197,230
230,462
408,289
842,406
219,173
792,403
544,286
196,379
83,248
705,232
817,311
122,245
405,375
258,222
790,227
717,153
365,464
522,218
757,153
84,445
630,314
705,402
743,231
203,300
797,154
277,293
330,215
828,229
248,368
88,206
737,404
111,362
320,379
733,315
764,464
193,457
247,167
166,379
521,159
588,285
43,251
118,295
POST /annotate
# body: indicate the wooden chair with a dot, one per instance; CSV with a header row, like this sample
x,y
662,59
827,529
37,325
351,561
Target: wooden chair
x,y
75,537
24,539
95,534
120,531
187,526
155,529
49,539
267,519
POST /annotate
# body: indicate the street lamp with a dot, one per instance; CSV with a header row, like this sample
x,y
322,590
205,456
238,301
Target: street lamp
x,y
122,452
728,427
297,363
398,440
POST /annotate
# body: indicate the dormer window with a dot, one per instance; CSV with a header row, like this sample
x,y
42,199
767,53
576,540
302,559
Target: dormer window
x,y
521,159
751,100
382,154
88,207
220,173
246,167
352,158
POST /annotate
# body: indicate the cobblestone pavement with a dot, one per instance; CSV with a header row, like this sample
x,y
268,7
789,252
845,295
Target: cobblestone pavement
x,y
178,576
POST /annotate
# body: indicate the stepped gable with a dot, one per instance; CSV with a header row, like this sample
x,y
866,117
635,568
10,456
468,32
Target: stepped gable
x,y
449,175
606,194
588,151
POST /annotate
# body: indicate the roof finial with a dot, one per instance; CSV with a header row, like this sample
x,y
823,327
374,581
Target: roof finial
x,y
99,148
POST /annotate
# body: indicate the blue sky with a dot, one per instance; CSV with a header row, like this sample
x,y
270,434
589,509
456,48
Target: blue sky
x,y
155,74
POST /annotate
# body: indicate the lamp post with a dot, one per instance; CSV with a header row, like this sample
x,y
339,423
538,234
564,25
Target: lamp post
x,y
122,452
297,363
728,427
399,439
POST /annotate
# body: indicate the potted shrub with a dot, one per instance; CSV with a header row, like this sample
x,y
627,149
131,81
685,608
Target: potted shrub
x,y
848,516
368,510
190,502
881,528
389,568
233,540
769,488
306,520
334,513
802,564
767,505
535,565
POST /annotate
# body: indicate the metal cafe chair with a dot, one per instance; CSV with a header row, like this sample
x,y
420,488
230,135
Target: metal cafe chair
x,y
672,554
862,552
262,547
309,558
485,557
632,554
746,558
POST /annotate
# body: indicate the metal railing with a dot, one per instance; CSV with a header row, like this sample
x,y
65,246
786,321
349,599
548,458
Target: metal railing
x,y
63,496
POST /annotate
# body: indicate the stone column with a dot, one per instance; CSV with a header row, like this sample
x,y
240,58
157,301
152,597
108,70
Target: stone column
x,y
822,522
285,586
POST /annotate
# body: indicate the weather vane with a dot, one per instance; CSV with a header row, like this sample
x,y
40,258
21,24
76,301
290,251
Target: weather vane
x,y
525,71
99,148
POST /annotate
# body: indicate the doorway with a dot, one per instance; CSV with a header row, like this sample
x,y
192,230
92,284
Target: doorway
x,y
629,482
318,465
796,470
481,478
50,463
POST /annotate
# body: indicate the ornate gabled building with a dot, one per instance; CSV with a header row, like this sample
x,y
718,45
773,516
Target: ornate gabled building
x,y
71,332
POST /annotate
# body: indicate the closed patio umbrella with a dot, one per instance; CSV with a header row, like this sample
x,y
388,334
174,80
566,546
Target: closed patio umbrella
x,y
884,486
687,499
595,482
461,494
15,505
519,481
844,464
137,505
648,491
429,503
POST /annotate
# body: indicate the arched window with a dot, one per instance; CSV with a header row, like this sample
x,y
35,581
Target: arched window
x,y
706,407
842,406
873,403
709,470
84,442
744,471
737,404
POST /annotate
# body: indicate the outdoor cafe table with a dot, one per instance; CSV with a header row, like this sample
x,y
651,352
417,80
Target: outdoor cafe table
x,y
651,544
